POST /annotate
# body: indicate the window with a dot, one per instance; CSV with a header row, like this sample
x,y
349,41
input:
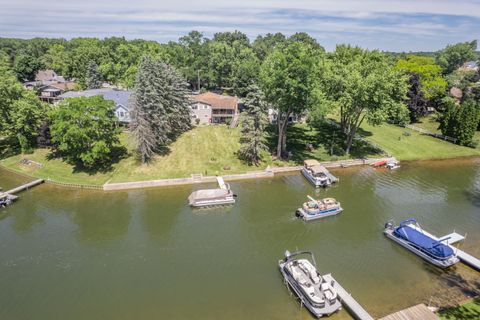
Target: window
x,y
122,114
205,107
194,107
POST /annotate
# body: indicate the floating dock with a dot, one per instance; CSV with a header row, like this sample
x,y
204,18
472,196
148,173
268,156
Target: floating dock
x,y
452,238
347,300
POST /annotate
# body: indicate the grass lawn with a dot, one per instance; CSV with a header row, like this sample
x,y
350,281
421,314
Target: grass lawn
x,y
210,150
467,311
54,169
406,144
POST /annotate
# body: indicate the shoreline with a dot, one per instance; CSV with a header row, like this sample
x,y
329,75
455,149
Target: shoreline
x,y
269,172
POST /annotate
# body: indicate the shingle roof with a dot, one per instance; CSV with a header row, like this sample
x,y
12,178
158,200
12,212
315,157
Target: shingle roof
x,y
216,100
117,96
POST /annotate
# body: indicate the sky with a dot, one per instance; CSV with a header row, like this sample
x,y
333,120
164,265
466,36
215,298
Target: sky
x,y
390,25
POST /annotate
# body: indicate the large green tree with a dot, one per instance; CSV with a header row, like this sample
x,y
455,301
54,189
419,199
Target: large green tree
x,y
84,131
158,108
21,112
364,86
253,139
453,56
290,79
432,82
461,121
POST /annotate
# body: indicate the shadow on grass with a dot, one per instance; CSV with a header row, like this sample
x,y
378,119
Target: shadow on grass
x,y
118,153
463,312
325,140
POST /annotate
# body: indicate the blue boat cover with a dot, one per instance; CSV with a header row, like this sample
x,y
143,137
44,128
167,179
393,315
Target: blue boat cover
x,y
431,246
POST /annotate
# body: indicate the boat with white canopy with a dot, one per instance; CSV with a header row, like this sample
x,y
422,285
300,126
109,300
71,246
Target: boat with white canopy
x,y
212,197
317,174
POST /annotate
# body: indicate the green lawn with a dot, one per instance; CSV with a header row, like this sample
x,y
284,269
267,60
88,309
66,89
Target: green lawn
x,y
212,150
406,144
467,311
209,150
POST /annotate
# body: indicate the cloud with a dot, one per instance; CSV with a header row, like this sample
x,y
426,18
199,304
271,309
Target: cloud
x,y
392,25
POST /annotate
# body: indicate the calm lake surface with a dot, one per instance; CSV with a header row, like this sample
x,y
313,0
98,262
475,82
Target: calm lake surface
x,y
144,254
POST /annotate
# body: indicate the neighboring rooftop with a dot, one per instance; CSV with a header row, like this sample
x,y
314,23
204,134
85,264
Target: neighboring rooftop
x,y
470,65
216,100
120,97
48,75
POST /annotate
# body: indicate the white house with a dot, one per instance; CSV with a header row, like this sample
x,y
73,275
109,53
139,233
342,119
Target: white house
x,y
119,97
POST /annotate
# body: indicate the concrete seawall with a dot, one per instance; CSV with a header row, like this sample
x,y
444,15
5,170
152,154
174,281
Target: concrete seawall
x,y
267,173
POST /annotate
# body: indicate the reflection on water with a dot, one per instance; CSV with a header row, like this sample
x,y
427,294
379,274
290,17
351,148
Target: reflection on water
x,y
144,254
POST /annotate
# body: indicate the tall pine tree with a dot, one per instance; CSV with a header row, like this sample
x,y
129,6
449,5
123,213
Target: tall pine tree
x,y
253,140
158,108
93,78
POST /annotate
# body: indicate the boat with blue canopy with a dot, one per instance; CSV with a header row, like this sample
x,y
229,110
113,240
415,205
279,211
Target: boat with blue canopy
x,y
410,235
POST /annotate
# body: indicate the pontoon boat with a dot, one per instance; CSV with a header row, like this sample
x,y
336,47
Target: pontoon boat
x,y
317,174
314,292
315,209
410,235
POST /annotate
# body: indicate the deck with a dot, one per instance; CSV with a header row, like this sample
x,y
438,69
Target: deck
x,y
347,300
418,312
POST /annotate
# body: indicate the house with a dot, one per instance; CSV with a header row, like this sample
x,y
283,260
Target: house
x,y
49,85
119,97
214,108
470,65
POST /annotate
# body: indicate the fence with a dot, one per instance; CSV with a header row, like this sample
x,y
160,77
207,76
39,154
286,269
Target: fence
x,y
435,135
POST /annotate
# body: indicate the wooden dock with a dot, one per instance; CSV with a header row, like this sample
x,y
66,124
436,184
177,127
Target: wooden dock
x,y
450,239
347,300
10,194
418,312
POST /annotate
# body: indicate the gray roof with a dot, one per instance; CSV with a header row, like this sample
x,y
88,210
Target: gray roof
x,y
470,64
120,97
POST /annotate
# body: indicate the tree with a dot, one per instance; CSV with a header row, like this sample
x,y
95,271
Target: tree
x,y
461,121
56,59
93,78
264,45
158,108
20,112
26,66
416,103
453,56
365,87
84,131
290,79
429,73
253,140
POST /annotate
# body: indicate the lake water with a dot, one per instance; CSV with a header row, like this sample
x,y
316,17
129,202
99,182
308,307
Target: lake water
x,y
144,254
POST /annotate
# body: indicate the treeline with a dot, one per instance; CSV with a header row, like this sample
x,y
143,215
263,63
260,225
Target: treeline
x,y
228,61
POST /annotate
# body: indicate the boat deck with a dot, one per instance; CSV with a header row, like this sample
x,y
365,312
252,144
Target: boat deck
x,y
347,300
453,238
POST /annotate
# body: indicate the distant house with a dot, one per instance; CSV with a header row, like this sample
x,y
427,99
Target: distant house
x,y
214,108
470,65
49,85
119,97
